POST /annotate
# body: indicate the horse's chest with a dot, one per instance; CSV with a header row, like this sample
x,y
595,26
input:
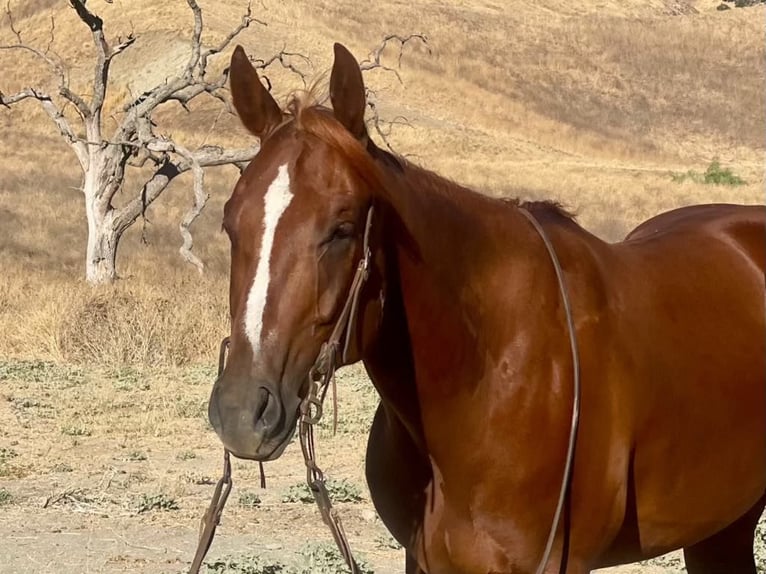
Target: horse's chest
x,y
454,543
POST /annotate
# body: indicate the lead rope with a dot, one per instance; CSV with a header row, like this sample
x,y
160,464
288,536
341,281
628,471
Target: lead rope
x,y
212,516
567,478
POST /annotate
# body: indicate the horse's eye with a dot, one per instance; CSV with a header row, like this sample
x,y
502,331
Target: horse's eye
x,y
343,231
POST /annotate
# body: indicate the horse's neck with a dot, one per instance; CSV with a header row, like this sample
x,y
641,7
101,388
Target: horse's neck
x,y
438,239
450,241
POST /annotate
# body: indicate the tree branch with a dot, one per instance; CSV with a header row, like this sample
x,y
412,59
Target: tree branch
x,y
11,23
206,156
200,200
151,190
247,19
134,141
373,62
101,73
196,40
188,84
55,114
381,126
373,59
55,65
283,58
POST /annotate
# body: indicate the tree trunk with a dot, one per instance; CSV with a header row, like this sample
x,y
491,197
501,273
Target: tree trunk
x,y
103,234
101,253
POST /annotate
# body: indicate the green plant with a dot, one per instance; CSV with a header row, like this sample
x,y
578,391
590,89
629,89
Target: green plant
x,y
298,493
387,541
247,564
759,546
200,374
6,468
186,455
7,454
148,503
190,408
667,562
249,499
127,378
339,491
5,497
136,456
344,491
75,430
324,558
714,175
198,478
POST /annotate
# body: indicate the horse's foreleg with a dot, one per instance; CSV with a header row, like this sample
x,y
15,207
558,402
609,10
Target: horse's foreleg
x,y
397,476
730,551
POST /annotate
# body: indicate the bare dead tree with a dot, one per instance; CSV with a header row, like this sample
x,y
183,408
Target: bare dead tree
x,y
135,141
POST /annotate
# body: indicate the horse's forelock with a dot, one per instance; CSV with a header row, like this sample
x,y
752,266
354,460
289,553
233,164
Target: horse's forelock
x,y
318,121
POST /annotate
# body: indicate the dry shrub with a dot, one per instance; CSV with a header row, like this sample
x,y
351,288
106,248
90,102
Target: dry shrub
x,y
175,321
113,328
116,326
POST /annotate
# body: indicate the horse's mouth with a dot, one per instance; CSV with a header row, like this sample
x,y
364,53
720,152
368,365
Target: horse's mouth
x,y
270,448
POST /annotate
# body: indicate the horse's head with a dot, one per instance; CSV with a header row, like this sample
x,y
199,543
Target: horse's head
x,y
296,221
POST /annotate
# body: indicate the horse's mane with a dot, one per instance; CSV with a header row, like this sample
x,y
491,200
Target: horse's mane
x,y
543,209
312,117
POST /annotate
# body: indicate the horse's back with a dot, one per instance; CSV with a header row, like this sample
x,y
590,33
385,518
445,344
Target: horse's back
x,y
746,224
693,325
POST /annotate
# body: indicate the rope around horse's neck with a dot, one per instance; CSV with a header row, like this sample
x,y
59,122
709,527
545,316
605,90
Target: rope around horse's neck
x,y
567,478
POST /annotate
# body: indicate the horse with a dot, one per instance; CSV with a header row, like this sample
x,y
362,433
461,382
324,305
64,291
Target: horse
x,y
462,328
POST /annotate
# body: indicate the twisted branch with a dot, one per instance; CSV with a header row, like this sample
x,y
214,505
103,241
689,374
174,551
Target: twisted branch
x,y
283,58
383,127
373,62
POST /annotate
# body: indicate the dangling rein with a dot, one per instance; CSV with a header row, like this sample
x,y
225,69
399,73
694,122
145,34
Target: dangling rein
x,y
322,373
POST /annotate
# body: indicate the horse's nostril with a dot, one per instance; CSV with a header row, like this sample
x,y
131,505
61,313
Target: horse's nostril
x,y
262,403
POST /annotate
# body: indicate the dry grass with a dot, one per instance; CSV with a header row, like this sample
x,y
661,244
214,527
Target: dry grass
x,y
173,322
594,107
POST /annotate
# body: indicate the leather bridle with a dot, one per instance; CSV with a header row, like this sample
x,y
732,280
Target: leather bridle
x,y
332,354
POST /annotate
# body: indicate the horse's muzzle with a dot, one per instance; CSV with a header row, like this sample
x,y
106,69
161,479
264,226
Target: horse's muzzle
x,y
251,421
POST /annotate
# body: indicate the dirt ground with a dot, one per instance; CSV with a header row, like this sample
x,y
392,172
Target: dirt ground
x,y
109,471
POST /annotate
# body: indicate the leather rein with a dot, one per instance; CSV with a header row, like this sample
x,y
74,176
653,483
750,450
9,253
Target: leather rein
x,y
322,375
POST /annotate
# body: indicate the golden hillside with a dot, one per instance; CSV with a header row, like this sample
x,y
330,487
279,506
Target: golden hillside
x,y
595,104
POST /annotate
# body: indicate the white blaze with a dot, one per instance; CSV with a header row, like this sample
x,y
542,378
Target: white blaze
x,y
276,200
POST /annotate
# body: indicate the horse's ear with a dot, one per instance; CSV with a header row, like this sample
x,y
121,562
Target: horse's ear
x,y
347,92
256,108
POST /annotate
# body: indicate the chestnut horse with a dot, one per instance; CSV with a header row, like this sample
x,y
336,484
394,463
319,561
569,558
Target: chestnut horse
x,y
462,330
